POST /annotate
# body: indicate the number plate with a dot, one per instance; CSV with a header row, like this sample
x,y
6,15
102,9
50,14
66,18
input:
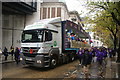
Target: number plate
x,y
29,59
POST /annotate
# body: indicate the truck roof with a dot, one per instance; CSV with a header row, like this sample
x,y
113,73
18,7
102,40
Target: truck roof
x,y
43,23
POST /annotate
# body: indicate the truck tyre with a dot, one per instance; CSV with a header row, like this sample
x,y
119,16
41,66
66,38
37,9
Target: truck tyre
x,y
53,63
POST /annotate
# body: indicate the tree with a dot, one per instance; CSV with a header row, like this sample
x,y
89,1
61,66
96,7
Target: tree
x,y
113,9
105,36
105,24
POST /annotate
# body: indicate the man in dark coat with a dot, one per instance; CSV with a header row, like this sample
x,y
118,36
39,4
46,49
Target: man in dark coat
x,y
86,62
17,55
85,58
5,52
90,56
80,52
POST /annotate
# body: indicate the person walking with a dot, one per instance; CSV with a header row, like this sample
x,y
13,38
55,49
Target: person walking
x,y
110,53
85,57
104,50
80,52
90,56
12,51
17,54
94,54
5,52
100,57
85,63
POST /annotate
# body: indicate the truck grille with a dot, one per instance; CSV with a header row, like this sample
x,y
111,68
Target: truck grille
x,y
29,62
29,55
27,49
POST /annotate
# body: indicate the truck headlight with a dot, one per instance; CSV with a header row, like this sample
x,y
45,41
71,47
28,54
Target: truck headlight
x,y
39,61
21,59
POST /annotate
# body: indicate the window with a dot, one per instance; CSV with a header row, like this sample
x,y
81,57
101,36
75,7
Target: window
x,y
32,36
48,12
48,36
53,12
44,13
58,12
28,36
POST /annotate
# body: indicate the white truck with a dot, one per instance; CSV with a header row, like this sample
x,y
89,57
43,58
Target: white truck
x,y
47,43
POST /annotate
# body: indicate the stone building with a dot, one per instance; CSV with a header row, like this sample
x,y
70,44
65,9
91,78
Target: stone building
x,y
54,9
15,16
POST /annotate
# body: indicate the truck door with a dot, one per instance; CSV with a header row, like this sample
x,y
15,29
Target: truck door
x,y
48,39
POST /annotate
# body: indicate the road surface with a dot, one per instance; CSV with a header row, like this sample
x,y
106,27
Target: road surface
x,y
12,70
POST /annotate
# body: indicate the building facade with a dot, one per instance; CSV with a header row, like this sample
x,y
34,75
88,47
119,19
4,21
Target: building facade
x,y
95,39
75,17
15,16
54,9
53,1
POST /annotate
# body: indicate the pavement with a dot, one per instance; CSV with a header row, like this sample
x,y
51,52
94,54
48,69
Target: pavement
x,y
9,59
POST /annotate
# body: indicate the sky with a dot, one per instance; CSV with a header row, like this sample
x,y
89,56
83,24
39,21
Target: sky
x,y
77,5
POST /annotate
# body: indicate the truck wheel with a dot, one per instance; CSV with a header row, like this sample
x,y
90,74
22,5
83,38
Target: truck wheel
x,y
53,63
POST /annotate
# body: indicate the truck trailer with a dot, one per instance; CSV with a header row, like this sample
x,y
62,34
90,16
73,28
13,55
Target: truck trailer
x,y
50,42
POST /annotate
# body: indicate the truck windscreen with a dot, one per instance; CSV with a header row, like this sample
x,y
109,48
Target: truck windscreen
x,y
32,36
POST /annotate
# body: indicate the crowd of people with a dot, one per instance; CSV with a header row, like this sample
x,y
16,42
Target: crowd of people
x,y
87,56
14,53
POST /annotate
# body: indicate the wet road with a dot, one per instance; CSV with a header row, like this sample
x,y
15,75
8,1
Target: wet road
x,y
12,70
71,70
112,70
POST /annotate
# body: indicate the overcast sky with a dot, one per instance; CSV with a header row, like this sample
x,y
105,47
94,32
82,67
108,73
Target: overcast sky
x,y
77,5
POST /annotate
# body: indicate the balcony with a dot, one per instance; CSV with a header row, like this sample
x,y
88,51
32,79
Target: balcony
x,y
20,7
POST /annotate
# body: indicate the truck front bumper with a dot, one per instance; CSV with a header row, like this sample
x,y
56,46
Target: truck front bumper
x,y
37,61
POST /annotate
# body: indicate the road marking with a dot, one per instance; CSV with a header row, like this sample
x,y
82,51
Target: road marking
x,y
74,71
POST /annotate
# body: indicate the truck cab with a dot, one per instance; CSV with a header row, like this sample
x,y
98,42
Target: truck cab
x,y
40,45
